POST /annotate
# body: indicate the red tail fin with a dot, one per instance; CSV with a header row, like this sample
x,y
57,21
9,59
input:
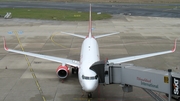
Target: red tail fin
x,y
90,22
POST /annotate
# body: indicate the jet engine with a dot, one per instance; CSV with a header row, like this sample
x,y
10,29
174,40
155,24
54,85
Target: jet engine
x,y
62,72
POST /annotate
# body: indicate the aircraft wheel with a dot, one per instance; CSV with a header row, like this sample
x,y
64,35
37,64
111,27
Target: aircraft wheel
x,y
73,70
89,95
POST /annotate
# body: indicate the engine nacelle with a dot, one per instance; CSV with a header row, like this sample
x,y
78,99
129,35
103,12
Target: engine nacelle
x,y
62,72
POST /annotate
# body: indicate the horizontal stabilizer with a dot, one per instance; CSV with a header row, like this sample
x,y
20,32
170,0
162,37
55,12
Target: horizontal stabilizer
x,y
80,36
100,36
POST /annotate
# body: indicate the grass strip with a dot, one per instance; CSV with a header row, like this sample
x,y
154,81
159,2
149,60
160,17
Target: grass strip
x,y
52,14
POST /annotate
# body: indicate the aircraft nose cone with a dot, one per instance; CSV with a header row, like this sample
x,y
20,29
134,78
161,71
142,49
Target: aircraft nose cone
x,y
90,86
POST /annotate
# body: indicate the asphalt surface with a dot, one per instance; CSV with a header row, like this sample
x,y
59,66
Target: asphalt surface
x,y
153,10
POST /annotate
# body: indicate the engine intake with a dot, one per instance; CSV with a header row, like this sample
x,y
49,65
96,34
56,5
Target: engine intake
x,y
62,72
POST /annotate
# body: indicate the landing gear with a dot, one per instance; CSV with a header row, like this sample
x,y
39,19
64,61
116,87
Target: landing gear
x,y
89,95
74,70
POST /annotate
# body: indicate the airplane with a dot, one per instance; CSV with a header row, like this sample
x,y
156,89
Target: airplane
x,y
88,79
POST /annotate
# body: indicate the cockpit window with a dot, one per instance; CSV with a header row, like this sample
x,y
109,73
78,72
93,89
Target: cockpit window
x,y
82,76
89,78
86,77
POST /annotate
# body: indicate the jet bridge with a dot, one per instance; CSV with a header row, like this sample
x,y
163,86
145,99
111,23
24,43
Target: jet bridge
x,y
129,75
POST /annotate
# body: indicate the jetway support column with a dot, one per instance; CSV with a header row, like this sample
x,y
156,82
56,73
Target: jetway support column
x,y
170,83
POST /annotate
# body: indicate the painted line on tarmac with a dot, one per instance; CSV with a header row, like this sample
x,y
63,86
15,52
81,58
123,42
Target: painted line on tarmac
x,y
58,44
31,69
34,76
22,48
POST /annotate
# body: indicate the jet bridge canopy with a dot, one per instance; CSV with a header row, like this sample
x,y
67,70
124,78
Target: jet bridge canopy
x,y
130,75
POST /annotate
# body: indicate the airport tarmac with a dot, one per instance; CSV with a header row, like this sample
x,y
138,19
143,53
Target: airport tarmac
x,y
32,79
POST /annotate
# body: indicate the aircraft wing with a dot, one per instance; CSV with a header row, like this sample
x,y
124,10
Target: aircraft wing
x,y
46,57
131,58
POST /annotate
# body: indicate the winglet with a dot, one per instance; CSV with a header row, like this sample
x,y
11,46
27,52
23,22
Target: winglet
x,y
174,48
5,44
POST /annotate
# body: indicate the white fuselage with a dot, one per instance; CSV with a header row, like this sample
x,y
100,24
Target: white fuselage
x,y
89,55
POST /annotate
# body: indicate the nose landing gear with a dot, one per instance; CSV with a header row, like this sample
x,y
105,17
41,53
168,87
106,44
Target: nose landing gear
x,y
89,95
